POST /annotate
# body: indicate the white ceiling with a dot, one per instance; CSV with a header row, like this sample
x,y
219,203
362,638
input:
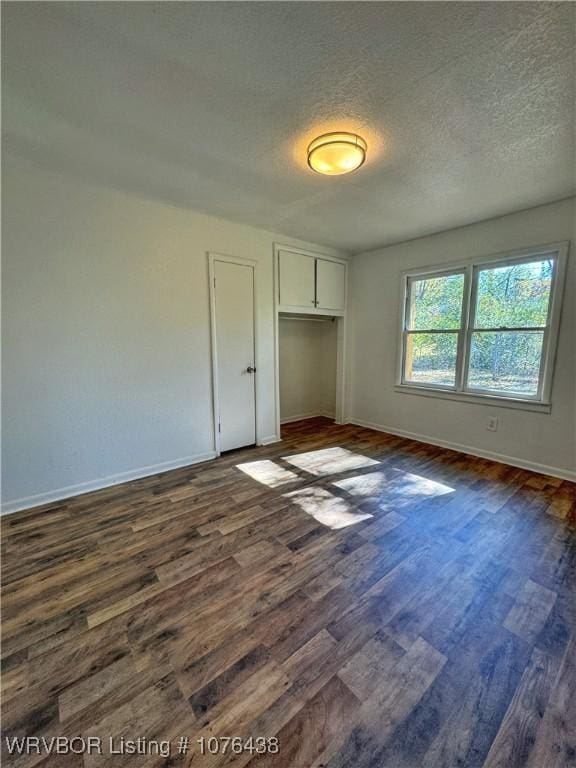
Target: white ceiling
x,y
468,108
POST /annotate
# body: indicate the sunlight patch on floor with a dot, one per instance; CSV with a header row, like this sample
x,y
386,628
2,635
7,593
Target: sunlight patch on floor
x,y
380,486
328,509
330,461
416,485
268,473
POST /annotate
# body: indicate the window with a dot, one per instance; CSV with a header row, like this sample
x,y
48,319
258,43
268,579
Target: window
x,y
486,328
433,329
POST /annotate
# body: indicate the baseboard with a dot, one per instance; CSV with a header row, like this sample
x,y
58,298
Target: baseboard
x,y
60,494
300,417
544,469
269,440
303,416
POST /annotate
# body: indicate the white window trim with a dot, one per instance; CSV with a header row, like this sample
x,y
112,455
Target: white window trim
x,y
470,268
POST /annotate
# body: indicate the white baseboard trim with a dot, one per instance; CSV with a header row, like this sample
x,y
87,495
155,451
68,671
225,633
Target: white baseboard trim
x,y
269,440
300,417
544,469
303,416
60,494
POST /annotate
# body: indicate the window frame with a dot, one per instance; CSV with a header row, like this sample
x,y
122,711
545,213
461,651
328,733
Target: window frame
x,y
406,332
471,269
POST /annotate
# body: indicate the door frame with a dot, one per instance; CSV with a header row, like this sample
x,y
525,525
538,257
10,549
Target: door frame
x,y
213,257
341,318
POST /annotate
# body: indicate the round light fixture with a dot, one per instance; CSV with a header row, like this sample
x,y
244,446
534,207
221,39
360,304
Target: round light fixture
x,y
336,153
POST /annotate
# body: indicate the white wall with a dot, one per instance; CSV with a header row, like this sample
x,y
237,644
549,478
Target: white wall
x,y
307,356
106,345
536,440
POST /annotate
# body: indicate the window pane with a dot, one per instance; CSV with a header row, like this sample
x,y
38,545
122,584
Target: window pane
x,y
431,358
507,361
436,302
514,296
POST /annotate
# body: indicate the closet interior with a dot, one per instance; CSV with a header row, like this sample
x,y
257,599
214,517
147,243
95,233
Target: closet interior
x,y
307,366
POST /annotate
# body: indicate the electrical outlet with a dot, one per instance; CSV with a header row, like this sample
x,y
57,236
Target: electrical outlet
x,y
492,424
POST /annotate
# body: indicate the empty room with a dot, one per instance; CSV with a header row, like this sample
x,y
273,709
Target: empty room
x,y
288,385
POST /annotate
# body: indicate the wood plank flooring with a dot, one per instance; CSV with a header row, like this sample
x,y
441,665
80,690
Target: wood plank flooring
x,y
367,600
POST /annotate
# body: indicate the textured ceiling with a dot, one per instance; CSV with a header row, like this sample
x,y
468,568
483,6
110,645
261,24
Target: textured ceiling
x,y
468,108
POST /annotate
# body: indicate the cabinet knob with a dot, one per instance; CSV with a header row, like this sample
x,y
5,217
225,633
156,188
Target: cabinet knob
x,y
250,369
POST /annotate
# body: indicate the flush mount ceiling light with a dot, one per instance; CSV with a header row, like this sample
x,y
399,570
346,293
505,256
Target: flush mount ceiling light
x,y
336,153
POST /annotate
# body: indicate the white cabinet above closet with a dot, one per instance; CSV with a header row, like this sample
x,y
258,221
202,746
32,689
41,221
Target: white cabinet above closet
x,y
330,285
296,284
310,284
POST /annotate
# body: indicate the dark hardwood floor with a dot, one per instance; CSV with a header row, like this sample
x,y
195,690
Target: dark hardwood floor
x,y
368,600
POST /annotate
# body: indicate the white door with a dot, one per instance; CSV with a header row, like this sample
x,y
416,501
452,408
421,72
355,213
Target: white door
x,y
235,369
296,280
330,284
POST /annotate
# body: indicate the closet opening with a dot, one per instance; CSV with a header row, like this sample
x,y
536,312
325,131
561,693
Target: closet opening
x,y
308,365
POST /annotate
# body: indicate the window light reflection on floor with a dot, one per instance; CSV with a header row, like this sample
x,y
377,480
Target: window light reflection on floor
x,y
394,483
328,509
268,473
330,461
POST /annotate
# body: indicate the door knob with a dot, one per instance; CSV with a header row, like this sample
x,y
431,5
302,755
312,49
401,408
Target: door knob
x,y
250,369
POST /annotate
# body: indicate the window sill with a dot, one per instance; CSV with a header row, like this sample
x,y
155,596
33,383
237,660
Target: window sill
x,y
466,397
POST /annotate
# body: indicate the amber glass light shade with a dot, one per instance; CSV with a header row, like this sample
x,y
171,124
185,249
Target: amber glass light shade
x,y
336,153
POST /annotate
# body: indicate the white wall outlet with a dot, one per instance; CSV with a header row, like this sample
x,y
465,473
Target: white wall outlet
x,y
492,424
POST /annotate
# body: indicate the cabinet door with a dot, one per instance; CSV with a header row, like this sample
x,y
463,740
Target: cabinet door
x,y
296,280
330,285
